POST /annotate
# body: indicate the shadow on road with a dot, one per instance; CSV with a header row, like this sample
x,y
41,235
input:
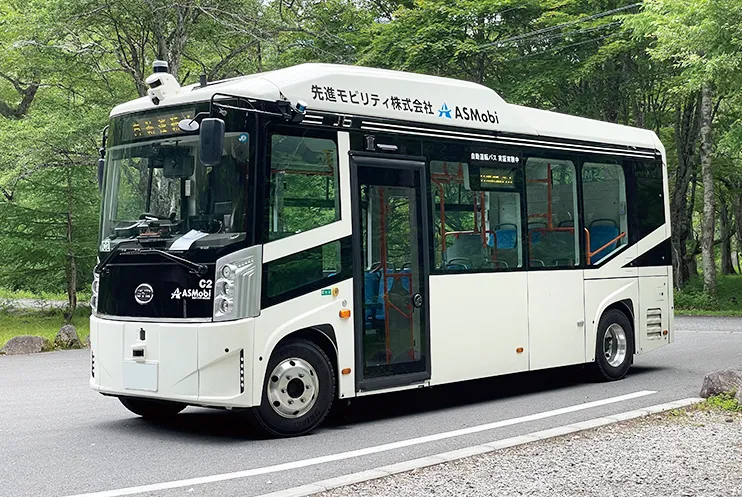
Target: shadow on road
x,y
411,402
219,426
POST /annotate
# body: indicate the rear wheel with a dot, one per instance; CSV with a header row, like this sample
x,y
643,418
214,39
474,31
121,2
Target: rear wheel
x,y
152,408
298,390
614,346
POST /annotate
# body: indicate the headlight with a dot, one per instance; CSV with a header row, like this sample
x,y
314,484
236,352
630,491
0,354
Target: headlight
x,y
226,306
228,271
95,288
225,287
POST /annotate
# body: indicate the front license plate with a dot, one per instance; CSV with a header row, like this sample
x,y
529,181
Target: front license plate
x,y
140,375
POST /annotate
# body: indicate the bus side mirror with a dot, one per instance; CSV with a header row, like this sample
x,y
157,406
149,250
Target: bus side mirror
x,y
101,164
211,141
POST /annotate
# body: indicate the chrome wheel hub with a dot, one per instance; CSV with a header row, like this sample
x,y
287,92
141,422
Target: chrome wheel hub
x,y
615,345
292,388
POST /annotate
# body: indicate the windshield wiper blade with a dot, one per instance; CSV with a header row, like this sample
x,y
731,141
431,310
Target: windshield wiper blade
x,y
199,269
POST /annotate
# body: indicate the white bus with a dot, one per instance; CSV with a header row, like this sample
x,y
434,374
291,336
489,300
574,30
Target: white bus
x,y
280,241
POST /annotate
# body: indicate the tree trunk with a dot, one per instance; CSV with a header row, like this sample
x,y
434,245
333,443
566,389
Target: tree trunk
x,y
726,237
686,136
736,220
691,267
737,203
71,269
709,199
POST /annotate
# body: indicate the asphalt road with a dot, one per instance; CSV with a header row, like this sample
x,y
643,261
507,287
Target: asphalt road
x,y
58,438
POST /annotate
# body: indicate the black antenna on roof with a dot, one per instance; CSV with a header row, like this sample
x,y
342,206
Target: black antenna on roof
x,y
202,80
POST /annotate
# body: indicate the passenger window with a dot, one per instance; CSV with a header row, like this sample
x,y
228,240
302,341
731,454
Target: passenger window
x,y
303,270
606,219
650,204
551,199
303,185
477,212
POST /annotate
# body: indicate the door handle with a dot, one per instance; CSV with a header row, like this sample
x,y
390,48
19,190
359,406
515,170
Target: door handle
x,y
417,300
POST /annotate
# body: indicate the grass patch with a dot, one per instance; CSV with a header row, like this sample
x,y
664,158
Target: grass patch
x,y
692,301
722,402
677,413
6,294
46,323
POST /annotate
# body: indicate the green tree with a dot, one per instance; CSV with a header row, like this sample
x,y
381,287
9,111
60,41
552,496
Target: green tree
x,y
48,218
701,39
464,39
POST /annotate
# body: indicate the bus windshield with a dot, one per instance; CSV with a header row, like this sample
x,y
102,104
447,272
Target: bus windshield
x,y
158,191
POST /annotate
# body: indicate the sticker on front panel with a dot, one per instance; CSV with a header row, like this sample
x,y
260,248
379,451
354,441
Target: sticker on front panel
x,y
140,375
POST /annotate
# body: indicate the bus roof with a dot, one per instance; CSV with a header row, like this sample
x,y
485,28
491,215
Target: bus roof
x,y
396,95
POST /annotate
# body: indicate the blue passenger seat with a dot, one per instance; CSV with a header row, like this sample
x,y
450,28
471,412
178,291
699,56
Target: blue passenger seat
x,y
600,234
507,236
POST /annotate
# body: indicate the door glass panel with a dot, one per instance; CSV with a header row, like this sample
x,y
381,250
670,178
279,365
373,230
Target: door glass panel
x,y
394,320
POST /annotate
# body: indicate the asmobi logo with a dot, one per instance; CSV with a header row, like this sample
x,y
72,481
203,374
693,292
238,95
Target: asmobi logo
x,y
468,114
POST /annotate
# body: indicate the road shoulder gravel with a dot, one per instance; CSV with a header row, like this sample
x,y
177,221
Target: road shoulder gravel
x,y
686,452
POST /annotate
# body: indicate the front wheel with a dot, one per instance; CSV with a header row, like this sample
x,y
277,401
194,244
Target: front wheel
x,y
614,346
152,408
298,390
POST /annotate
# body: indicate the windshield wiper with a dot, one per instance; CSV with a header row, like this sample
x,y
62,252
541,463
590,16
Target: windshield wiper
x,y
199,269
107,259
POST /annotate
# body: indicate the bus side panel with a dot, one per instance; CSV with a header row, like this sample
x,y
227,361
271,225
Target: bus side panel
x,y
599,294
307,311
478,321
653,313
671,306
556,318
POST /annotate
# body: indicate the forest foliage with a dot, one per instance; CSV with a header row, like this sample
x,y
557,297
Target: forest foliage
x,y
672,66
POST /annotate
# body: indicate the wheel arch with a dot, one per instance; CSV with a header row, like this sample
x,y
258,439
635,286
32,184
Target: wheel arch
x,y
626,306
621,294
322,335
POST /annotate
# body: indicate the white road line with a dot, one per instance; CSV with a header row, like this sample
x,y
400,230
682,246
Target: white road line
x,y
154,487
424,462
707,332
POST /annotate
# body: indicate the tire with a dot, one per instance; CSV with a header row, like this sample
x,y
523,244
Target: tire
x,y
614,346
152,408
298,391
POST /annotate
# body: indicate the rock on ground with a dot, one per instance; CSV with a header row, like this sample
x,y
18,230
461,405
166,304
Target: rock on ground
x,y
721,382
67,338
26,344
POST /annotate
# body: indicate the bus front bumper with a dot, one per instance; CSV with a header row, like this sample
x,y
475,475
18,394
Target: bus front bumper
x,y
202,364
